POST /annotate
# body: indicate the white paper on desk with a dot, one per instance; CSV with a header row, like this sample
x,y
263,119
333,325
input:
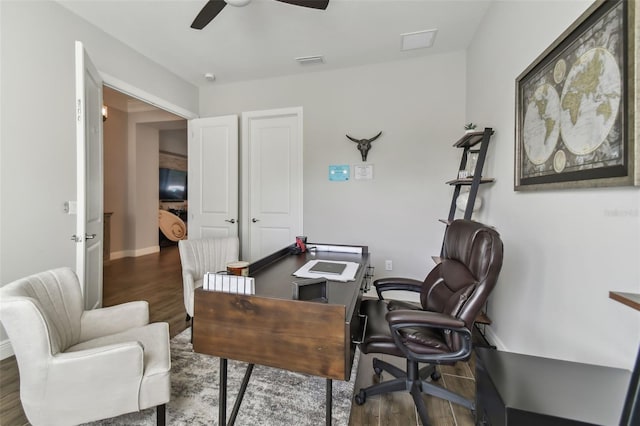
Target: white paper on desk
x,y
236,284
337,249
349,273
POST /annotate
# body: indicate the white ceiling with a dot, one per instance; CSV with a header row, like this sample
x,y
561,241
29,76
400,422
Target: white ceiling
x,y
263,38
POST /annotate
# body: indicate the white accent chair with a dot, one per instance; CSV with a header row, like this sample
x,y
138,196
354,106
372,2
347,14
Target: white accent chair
x,y
79,366
201,256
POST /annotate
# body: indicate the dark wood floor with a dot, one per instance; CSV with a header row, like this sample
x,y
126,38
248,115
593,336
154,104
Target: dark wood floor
x,y
157,279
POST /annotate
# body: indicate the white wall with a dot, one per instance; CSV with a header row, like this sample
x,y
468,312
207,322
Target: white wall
x,y
417,104
146,203
142,186
115,177
38,132
174,141
37,162
564,249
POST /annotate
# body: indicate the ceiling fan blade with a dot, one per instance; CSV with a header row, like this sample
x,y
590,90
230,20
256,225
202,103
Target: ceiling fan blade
x,y
208,12
315,4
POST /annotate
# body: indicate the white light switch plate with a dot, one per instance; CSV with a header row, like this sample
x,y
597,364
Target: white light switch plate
x,y
71,207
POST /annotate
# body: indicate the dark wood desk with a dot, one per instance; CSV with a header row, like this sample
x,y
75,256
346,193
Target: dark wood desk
x,y
272,329
523,390
630,299
631,413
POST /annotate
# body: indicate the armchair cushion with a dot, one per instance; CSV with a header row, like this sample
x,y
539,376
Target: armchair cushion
x,y
428,339
392,305
150,339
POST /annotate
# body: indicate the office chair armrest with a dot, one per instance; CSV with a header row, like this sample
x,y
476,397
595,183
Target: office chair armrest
x,y
395,283
402,319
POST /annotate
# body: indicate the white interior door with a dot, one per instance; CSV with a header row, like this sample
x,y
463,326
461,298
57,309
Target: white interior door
x,y
213,177
89,220
271,180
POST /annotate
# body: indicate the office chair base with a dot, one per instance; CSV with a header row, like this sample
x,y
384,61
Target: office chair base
x,y
412,381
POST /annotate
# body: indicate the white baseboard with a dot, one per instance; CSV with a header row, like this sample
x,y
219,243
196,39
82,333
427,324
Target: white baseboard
x,y
493,338
5,349
133,253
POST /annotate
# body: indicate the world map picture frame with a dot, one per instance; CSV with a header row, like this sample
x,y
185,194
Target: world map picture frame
x,y
576,105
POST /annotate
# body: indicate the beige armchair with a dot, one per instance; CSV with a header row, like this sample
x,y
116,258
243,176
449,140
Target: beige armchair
x,y
79,366
201,256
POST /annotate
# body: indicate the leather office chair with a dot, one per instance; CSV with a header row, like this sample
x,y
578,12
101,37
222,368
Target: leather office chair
x,y
79,366
201,256
438,331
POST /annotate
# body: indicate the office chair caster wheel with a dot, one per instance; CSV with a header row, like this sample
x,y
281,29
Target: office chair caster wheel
x,y
376,367
435,376
361,397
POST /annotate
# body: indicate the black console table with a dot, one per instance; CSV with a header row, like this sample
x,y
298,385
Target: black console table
x,y
523,390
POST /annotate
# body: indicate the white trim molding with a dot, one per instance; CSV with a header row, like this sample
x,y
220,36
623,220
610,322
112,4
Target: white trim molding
x,y
128,89
134,253
6,350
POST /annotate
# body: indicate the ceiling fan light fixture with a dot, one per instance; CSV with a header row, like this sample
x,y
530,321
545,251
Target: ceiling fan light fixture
x,y
418,39
310,60
238,3
212,8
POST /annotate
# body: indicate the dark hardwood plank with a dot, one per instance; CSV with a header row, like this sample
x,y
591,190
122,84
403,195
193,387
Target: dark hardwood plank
x,y
465,387
398,408
156,278
11,412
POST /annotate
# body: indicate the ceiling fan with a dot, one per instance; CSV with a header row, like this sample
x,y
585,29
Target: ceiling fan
x,y
213,7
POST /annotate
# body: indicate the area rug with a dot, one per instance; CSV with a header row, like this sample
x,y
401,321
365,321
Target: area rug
x,y
274,397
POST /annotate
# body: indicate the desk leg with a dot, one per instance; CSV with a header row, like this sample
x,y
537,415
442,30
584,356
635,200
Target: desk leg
x,y
329,401
243,388
222,402
631,410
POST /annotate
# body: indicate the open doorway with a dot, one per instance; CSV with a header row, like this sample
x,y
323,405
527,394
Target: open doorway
x,y
140,140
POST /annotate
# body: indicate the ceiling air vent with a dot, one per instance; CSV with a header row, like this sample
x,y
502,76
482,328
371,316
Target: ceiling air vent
x,y
418,39
310,60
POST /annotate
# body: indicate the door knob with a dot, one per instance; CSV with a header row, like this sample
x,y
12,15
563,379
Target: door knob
x,y
89,236
254,220
230,220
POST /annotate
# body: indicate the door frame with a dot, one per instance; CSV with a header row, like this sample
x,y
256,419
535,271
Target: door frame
x,y
142,95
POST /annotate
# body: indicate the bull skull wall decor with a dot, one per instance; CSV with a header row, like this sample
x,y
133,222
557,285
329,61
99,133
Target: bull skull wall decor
x,y
364,145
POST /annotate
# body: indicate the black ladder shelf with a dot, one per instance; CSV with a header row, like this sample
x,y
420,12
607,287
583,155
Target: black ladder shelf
x,y
469,143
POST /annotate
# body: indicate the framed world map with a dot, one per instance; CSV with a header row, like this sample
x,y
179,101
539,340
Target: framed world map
x,y
576,105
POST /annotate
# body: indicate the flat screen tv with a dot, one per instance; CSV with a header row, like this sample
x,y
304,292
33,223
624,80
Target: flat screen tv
x,y
173,185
